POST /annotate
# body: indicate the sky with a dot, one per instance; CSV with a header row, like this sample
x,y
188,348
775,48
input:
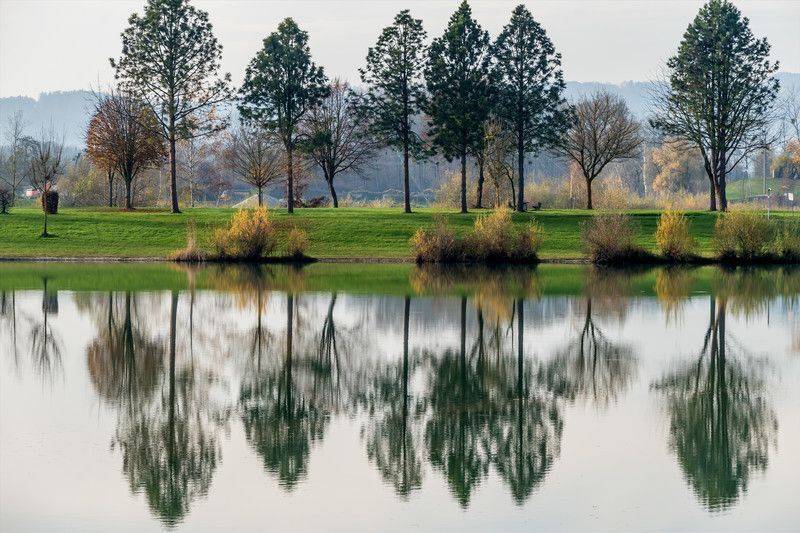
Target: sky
x,y
51,45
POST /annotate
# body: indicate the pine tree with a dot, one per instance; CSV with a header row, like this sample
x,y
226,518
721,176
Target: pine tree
x,y
460,91
171,61
393,80
720,93
530,86
281,84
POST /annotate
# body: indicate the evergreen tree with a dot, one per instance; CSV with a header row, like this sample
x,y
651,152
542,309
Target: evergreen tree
x,y
393,80
171,61
721,90
460,91
281,84
530,88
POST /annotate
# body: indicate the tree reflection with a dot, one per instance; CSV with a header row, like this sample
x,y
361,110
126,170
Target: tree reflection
x,y
526,428
45,343
592,366
456,434
124,361
279,421
721,426
169,446
392,443
8,317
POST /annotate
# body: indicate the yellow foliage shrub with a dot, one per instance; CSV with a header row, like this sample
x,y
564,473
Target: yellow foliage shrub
x,y
250,236
610,239
296,243
743,235
674,237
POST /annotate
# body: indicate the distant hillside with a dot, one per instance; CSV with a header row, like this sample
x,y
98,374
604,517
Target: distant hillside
x,y
69,110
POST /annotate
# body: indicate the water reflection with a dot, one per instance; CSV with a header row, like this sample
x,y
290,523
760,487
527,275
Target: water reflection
x,y
281,421
467,376
722,427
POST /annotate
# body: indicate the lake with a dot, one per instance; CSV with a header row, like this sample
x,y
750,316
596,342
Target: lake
x,y
391,397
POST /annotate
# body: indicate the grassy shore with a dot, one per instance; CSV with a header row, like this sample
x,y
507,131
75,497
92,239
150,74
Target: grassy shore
x,y
352,233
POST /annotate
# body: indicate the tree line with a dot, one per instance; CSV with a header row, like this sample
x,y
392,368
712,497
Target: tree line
x,y
461,96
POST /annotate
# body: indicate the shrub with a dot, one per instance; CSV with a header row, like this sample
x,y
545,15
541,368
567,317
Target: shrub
x,y
191,253
5,200
296,243
610,239
674,237
495,238
743,235
250,236
787,241
437,244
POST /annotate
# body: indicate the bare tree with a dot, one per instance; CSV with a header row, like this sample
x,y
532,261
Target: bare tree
x,y
790,109
255,158
604,130
45,166
336,140
13,174
123,136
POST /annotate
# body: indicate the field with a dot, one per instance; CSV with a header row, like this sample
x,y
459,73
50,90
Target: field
x,y
346,233
742,189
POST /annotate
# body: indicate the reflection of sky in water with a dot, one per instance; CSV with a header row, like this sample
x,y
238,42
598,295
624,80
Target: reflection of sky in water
x,y
615,468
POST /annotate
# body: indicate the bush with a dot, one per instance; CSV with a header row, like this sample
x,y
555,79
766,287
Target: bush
x,y
743,235
787,241
610,239
674,237
437,244
250,236
296,243
191,253
5,200
495,239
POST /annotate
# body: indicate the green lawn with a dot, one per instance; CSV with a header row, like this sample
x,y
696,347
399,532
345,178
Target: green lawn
x,y
741,189
357,233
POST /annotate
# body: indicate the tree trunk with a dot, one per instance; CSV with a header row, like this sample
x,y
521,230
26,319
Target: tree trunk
x,y
173,170
128,203
479,200
712,196
406,185
722,197
589,194
110,188
290,179
463,182
260,196
334,198
521,171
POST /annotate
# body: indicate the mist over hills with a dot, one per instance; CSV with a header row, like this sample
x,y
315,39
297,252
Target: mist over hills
x,y
69,111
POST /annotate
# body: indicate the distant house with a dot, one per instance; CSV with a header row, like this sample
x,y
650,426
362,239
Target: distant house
x,y
30,192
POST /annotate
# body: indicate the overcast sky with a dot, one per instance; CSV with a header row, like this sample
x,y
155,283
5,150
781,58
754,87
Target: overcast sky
x,y
48,45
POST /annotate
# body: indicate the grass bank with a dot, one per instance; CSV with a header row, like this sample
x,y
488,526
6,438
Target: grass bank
x,y
354,233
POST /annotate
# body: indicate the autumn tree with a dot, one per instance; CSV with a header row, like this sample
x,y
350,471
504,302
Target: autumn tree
x,y
460,91
603,130
171,61
720,93
254,157
46,164
394,89
530,89
336,140
122,137
680,168
281,84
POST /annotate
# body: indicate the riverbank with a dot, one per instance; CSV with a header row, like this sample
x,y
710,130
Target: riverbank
x,y
344,234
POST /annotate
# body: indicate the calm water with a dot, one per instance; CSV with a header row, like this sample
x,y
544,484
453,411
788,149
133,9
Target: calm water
x,y
391,398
